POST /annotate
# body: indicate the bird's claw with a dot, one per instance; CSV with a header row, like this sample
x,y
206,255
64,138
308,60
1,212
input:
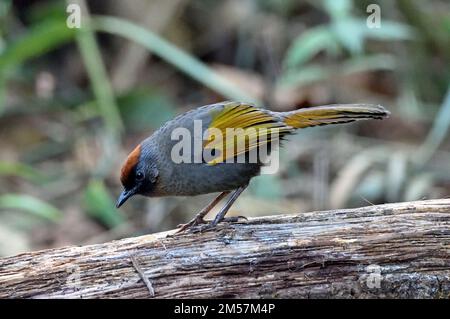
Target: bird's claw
x,y
201,228
214,223
204,225
188,226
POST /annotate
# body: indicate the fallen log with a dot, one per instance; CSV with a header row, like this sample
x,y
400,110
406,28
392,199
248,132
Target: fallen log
x,y
396,250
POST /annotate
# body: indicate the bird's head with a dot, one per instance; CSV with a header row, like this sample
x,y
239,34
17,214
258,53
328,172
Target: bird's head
x,y
138,175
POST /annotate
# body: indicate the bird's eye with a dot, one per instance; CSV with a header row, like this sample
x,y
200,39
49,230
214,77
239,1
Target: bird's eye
x,y
139,176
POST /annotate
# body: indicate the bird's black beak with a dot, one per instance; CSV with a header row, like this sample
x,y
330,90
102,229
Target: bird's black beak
x,y
126,193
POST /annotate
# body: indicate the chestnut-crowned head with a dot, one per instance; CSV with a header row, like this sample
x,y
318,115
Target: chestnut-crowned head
x,y
138,175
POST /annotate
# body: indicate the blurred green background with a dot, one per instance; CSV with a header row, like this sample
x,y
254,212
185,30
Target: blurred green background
x,y
74,102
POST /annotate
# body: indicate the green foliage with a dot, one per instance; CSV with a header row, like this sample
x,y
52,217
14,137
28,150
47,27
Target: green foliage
x,y
144,109
47,10
315,72
308,44
39,39
344,32
99,80
100,205
352,32
172,54
21,170
267,186
30,205
437,134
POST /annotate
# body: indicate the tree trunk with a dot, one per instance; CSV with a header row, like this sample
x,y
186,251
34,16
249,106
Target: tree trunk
x,y
387,251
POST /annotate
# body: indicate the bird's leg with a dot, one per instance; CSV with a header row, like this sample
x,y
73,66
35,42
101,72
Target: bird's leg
x,y
198,219
221,214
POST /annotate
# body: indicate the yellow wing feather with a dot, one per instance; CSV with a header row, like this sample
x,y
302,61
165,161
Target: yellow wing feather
x,y
250,126
253,127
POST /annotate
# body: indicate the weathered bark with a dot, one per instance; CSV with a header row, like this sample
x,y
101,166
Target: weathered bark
x,y
394,250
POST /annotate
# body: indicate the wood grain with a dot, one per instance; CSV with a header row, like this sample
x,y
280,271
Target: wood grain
x,y
388,251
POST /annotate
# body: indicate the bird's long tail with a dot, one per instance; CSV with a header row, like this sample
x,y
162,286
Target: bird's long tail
x,y
333,114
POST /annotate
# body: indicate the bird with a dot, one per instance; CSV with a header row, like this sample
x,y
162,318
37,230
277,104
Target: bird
x,y
154,168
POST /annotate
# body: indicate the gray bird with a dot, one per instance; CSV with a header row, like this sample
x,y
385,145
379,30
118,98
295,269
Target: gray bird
x,y
216,153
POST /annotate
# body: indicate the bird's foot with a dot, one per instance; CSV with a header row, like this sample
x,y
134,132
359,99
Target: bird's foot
x,y
214,223
197,220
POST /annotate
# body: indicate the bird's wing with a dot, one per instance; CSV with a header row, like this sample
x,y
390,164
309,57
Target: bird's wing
x,y
238,128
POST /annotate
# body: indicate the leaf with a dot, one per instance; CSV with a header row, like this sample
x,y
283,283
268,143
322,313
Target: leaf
x,y
371,188
30,205
369,63
304,76
5,6
338,9
145,108
100,205
173,55
266,186
38,40
390,30
2,92
348,178
350,33
100,83
437,134
93,62
19,169
418,187
47,10
313,73
446,25
308,44
396,175
13,241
